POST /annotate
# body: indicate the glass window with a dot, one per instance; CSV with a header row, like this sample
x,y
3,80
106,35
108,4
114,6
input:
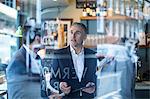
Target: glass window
x,y
8,47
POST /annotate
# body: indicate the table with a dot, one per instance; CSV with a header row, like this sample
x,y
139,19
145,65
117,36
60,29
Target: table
x,y
3,88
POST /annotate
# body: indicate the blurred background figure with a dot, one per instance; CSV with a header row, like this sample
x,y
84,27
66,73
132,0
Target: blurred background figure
x,y
23,80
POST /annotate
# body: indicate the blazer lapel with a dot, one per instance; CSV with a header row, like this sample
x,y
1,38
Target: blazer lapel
x,y
70,61
85,63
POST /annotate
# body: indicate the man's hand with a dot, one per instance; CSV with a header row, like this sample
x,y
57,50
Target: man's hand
x,y
65,88
90,89
55,96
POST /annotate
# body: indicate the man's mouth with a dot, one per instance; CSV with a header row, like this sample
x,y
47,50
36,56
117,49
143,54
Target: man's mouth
x,y
73,40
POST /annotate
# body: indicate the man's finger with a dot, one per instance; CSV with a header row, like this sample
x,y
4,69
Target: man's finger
x,y
89,90
63,84
90,84
67,89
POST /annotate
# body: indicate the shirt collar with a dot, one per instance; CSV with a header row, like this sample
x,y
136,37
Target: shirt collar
x,y
29,51
73,51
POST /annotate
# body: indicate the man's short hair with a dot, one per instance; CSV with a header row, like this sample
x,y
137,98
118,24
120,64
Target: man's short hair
x,y
81,25
26,30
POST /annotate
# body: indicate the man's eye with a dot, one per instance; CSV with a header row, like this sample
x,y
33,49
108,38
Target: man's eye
x,y
78,33
71,32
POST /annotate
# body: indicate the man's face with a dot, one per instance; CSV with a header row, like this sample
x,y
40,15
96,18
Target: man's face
x,y
77,35
38,39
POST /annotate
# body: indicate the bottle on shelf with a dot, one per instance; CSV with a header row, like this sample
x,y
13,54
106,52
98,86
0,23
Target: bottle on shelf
x,y
104,8
84,13
128,8
98,10
132,8
136,10
122,7
88,9
61,36
93,12
99,7
110,8
117,9
94,5
146,9
141,33
93,9
140,5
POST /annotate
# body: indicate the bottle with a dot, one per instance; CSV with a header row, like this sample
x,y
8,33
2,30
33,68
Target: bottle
x,y
61,36
93,12
84,11
94,6
140,5
122,7
105,8
132,8
101,8
127,6
110,8
117,9
88,9
91,9
141,34
98,10
136,10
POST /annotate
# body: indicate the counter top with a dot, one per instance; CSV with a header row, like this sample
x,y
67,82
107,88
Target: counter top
x,y
142,85
143,46
3,88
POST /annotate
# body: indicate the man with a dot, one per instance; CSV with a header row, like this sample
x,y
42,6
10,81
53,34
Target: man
x,y
21,82
74,67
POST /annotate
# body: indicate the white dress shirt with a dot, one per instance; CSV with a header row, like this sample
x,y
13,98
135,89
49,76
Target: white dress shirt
x,y
35,64
78,61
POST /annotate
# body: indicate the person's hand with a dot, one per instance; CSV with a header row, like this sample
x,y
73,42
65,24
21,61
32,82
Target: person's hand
x,y
90,89
65,88
55,96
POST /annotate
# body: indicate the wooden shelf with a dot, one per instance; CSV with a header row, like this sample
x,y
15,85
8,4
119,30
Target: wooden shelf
x,y
115,17
143,46
88,18
90,46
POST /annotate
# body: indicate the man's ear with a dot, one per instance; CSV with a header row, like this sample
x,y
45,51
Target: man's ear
x,y
85,36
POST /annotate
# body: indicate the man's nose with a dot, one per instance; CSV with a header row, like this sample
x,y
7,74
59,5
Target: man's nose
x,y
73,35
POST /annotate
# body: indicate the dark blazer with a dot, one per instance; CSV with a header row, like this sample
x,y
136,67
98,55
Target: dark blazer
x,y
19,84
63,70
